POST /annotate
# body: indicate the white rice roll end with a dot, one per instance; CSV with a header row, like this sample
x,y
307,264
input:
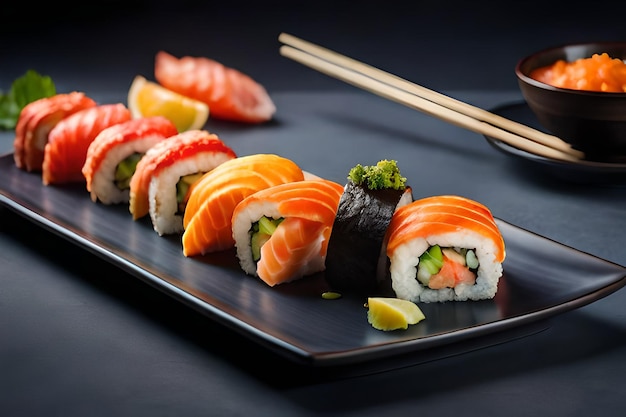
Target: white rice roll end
x,y
404,261
164,212
103,185
242,223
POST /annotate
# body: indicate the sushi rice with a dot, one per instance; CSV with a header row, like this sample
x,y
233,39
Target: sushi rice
x,y
162,190
102,186
405,259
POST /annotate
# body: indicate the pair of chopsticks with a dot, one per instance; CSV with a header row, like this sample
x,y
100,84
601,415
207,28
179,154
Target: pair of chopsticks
x,y
428,101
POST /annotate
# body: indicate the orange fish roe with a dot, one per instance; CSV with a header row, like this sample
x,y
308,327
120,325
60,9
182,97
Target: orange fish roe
x,y
598,73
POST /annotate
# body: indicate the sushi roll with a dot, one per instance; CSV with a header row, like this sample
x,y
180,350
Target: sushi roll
x,y
35,122
66,150
208,217
164,176
356,260
445,248
281,233
114,153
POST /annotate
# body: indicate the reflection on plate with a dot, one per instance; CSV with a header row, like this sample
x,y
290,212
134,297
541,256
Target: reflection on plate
x,y
584,172
542,278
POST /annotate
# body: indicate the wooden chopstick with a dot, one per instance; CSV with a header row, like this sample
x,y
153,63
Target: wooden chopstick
x,y
428,101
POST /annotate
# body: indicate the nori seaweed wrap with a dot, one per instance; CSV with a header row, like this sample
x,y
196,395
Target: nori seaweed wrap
x,y
356,260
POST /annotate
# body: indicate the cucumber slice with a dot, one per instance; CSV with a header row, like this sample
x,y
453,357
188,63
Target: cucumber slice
x,y
433,255
267,225
260,233
430,266
181,191
192,178
256,241
183,185
430,263
436,252
125,170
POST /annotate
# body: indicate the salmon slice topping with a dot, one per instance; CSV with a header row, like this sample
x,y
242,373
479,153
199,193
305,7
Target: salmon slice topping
x,y
443,214
292,232
208,216
229,93
293,247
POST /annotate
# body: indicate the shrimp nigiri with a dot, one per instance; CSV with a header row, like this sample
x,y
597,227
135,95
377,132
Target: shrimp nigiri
x,y
208,216
35,122
68,142
281,233
229,93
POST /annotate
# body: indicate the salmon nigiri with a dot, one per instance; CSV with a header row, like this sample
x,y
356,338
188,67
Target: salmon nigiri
x,y
163,178
68,142
445,248
35,122
208,216
113,155
229,93
281,233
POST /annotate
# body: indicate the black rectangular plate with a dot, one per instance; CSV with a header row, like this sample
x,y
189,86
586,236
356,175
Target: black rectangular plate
x,y
541,278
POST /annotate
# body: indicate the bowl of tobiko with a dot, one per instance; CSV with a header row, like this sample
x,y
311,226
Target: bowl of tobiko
x,y
578,93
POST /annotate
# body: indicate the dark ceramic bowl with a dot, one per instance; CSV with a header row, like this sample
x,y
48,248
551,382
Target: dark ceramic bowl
x,y
593,122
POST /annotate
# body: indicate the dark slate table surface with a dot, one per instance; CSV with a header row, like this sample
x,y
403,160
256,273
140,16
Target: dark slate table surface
x,y
79,336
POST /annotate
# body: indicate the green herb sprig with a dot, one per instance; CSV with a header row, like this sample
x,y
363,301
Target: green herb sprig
x,y
29,87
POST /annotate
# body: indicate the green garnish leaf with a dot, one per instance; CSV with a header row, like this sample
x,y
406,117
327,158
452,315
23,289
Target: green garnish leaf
x,y
384,175
28,88
9,112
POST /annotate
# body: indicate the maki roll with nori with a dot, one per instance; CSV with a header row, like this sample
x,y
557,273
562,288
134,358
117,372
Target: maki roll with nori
x,y
356,260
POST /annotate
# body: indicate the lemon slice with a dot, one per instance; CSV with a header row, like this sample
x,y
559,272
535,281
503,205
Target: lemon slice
x,y
147,98
392,313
